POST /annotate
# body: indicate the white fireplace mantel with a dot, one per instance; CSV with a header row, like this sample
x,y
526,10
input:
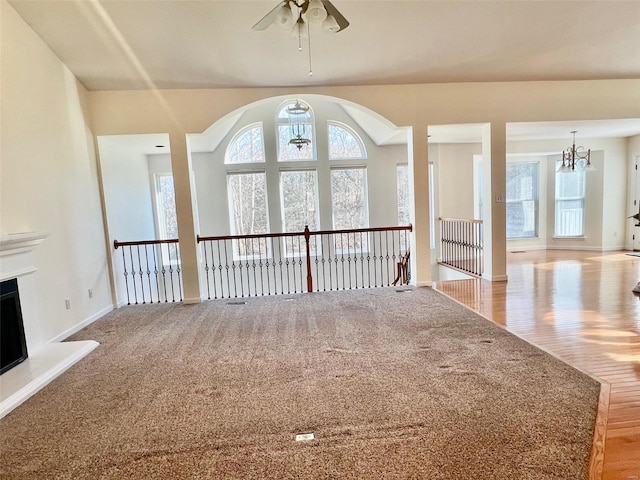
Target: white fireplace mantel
x,y
16,250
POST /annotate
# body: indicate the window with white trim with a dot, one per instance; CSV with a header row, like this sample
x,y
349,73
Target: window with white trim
x,y
287,126
247,146
248,210
349,205
299,204
167,220
522,199
344,143
569,211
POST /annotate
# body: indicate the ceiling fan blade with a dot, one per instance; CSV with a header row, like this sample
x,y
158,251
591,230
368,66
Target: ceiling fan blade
x,y
269,17
333,11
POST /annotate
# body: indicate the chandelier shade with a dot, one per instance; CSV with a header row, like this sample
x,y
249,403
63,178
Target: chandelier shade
x,y
298,121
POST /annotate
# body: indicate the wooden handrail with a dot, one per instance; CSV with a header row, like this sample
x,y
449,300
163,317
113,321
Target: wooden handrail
x,y
304,233
117,244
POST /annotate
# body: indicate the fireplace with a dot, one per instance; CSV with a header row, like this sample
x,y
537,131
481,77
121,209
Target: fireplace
x,y
13,345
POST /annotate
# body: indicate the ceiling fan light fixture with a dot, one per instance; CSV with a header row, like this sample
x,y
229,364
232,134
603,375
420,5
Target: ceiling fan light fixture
x,y
330,24
315,12
285,19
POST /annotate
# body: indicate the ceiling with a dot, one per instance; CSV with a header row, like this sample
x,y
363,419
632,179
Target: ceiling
x,y
138,44
141,44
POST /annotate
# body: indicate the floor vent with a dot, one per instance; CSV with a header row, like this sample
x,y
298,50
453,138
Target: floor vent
x,y
236,303
304,437
404,290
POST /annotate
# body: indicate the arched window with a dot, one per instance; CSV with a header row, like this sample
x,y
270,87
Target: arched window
x,y
247,146
295,125
344,143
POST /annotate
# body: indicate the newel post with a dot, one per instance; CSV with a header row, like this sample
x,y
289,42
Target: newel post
x,y
307,235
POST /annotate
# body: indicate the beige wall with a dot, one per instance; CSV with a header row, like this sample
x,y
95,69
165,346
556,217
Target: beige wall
x,y
48,153
49,182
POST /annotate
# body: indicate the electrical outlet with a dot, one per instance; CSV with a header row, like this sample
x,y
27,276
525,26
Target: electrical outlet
x,y
499,199
67,304
90,293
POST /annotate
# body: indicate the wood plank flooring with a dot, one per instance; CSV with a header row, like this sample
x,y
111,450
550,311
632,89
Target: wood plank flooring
x,y
578,306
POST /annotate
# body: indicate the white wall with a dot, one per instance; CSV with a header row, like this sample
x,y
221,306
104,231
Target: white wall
x,y
49,181
632,235
128,193
455,178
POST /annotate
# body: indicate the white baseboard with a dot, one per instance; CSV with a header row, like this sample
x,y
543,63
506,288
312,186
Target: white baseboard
x,y
495,278
76,328
424,283
191,301
591,249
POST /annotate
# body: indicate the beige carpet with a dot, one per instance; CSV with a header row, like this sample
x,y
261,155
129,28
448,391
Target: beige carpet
x,y
393,385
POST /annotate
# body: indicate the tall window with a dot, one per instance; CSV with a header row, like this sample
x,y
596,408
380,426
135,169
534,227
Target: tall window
x,y
522,200
248,209
349,203
299,204
344,143
288,126
247,146
570,189
166,213
402,175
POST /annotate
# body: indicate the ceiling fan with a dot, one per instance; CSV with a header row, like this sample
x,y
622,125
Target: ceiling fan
x,y
289,14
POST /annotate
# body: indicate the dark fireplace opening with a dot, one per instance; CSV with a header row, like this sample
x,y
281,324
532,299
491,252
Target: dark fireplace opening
x,y
13,345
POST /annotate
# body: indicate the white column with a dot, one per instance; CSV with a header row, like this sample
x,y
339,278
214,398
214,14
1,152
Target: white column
x,y
181,167
419,179
494,213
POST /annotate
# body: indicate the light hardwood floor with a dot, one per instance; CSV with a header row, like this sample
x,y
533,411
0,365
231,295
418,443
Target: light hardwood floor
x,y
579,307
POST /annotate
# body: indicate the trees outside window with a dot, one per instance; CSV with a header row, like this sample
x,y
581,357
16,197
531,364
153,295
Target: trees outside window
x,y
299,203
166,213
248,210
344,143
247,146
349,203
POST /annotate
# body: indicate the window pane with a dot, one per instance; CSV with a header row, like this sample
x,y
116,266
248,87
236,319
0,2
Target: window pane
x,y
290,125
343,144
570,188
348,195
402,172
167,219
522,200
349,203
299,203
569,218
248,210
247,147
167,207
299,200
291,153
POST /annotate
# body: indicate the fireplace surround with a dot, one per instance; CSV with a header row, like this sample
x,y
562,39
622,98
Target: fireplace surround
x,y
13,345
47,358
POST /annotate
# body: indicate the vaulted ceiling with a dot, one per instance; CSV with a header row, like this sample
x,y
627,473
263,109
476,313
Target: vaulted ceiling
x,y
142,44
138,44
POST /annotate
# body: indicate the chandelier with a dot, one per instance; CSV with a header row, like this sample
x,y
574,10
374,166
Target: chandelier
x,y
573,157
298,113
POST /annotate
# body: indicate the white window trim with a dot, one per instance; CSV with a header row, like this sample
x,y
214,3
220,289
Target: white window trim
x,y
237,135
